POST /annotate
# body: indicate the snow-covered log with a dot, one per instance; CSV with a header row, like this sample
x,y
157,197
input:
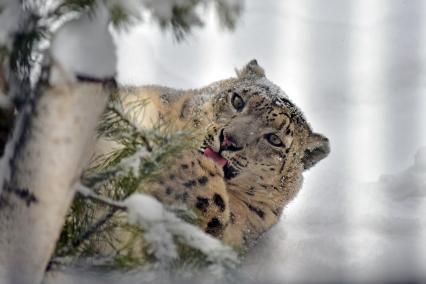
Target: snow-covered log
x,y
47,164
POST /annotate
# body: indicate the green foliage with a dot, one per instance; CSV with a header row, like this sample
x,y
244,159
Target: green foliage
x,y
183,18
79,5
21,53
92,231
119,17
228,13
140,156
4,51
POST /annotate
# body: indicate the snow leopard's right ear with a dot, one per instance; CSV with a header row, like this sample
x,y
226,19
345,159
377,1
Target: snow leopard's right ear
x,y
317,148
252,69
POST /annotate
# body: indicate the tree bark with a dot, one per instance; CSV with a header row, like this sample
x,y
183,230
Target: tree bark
x,y
6,112
47,164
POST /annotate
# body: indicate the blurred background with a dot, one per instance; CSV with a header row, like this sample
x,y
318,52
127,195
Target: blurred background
x,y
357,68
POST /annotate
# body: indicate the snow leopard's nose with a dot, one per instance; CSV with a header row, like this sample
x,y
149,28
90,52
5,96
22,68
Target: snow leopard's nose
x,y
228,142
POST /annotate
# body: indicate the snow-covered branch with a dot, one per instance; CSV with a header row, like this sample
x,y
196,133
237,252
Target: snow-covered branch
x,y
89,194
161,228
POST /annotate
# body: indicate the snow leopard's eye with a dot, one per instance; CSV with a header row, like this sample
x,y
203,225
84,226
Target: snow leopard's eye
x,y
274,140
237,102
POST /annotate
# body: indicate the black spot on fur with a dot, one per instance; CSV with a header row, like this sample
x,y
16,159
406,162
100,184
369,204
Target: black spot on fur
x,y
185,196
169,190
239,163
218,200
229,172
259,212
184,166
202,204
214,223
185,110
203,180
190,183
214,227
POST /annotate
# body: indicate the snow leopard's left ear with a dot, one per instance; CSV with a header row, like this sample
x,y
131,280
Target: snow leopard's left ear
x,y
252,69
317,148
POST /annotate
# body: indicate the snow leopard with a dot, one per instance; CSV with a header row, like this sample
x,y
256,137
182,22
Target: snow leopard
x,y
256,145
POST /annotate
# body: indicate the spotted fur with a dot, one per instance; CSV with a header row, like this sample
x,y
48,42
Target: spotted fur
x,y
268,146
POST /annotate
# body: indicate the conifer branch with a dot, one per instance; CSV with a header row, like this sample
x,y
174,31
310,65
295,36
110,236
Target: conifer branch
x,y
131,124
88,193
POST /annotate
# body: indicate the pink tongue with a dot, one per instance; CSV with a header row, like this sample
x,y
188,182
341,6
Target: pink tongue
x,y
218,159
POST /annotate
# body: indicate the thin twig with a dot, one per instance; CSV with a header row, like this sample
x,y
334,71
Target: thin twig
x,y
114,207
87,234
88,193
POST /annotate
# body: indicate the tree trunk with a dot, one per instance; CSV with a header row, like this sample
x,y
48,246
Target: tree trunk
x,y
47,164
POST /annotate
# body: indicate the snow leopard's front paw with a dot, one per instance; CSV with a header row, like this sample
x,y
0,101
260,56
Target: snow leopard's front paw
x,y
197,182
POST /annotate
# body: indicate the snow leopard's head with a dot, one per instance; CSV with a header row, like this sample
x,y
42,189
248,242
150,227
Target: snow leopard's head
x,y
259,136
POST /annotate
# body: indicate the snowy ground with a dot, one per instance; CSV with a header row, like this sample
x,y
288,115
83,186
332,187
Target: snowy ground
x,y
358,70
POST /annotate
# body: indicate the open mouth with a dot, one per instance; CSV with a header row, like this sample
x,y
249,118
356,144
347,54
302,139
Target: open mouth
x,y
226,144
228,171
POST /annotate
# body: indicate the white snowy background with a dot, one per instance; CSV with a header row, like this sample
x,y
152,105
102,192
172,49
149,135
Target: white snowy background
x,y
358,71
357,68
